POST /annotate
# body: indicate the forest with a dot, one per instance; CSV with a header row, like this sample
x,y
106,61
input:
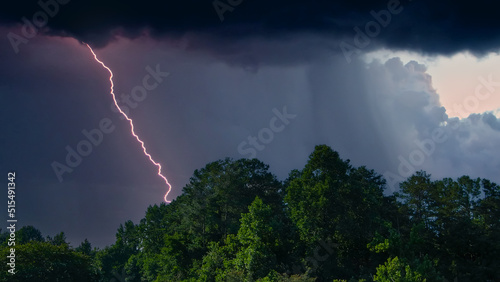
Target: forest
x,y
329,221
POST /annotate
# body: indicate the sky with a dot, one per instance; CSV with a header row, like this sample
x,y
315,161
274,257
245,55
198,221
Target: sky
x,y
398,86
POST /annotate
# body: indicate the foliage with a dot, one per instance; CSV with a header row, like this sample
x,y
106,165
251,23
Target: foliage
x,y
330,221
42,261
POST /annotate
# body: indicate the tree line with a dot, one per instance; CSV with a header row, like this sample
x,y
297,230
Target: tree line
x,y
330,221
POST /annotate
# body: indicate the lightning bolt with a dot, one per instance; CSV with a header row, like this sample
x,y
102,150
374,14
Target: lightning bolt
x,y
132,124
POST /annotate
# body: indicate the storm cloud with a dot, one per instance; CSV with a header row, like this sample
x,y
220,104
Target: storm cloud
x,y
442,27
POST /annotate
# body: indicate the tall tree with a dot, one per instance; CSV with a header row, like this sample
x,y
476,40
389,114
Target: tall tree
x,y
334,202
59,239
112,259
219,193
85,248
259,236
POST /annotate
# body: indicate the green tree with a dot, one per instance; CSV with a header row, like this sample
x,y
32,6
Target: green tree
x,y
332,201
59,239
42,261
174,259
488,215
112,260
463,234
219,262
85,248
259,238
211,206
405,262
27,234
156,224
395,270
447,221
220,192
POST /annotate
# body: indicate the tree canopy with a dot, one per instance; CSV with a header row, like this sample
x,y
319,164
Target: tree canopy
x,y
329,221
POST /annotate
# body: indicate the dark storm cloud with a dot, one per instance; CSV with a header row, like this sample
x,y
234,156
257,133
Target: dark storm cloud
x,y
427,26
